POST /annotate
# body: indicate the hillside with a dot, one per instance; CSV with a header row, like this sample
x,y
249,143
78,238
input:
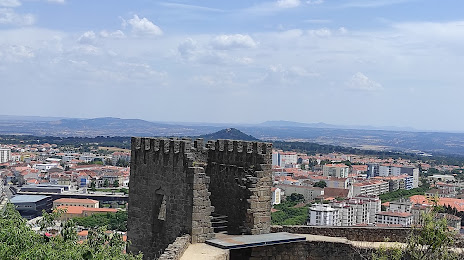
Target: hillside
x,y
229,133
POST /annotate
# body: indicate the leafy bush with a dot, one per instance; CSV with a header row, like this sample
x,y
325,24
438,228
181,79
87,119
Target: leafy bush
x,y
19,241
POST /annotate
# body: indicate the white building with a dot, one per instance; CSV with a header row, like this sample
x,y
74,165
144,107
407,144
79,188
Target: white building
x,y
400,206
5,155
441,177
373,206
389,170
275,195
323,215
45,166
396,170
309,193
282,159
394,218
370,188
359,210
87,157
335,170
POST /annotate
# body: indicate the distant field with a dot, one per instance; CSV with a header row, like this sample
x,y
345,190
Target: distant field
x,y
113,149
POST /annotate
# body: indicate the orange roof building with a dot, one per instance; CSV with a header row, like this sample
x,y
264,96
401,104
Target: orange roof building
x,y
80,211
88,203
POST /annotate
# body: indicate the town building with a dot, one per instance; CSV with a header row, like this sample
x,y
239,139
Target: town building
x,y
283,159
394,218
275,195
372,170
309,193
80,211
323,215
88,203
31,206
5,155
335,170
402,205
386,170
370,188
441,177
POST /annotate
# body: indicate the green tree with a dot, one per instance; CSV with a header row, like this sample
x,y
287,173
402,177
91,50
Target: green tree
x,y
106,183
116,183
108,161
19,241
113,221
431,240
296,197
320,184
93,186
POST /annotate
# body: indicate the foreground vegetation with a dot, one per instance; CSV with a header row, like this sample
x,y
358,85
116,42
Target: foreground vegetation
x,y
288,214
431,240
19,241
397,194
113,221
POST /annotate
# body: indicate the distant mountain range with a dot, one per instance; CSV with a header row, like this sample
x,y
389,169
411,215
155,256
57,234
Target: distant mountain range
x,y
373,139
283,123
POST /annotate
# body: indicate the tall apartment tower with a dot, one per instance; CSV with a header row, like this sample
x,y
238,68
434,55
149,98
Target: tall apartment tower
x,y
5,155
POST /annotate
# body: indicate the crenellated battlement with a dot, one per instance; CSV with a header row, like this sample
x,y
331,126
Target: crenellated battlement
x,y
240,153
177,183
224,145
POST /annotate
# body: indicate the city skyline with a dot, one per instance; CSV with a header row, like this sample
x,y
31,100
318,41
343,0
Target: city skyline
x,y
378,63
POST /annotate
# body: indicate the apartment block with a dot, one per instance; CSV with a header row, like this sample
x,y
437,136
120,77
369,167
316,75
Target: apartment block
x,y
336,170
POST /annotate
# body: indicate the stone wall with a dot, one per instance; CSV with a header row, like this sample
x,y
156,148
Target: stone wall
x,y
175,250
241,180
161,200
369,234
175,185
202,209
307,250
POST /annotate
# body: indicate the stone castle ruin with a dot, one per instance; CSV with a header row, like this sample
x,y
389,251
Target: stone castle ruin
x,y
185,187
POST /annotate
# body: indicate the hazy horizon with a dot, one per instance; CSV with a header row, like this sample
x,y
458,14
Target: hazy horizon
x,y
346,63
234,124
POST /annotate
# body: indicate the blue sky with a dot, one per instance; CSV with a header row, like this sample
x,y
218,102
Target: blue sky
x,y
353,62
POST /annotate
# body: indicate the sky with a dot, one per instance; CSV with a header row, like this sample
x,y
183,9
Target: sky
x,y
354,62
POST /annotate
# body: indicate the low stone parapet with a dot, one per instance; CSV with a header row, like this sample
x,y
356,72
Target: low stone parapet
x,y
175,250
369,234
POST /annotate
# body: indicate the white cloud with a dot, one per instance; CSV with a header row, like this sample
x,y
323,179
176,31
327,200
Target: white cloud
x,y
288,3
292,71
361,82
88,50
10,3
87,38
9,16
323,32
118,34
57,1
143,26
342,30
187,48
233,41
16,53
244,60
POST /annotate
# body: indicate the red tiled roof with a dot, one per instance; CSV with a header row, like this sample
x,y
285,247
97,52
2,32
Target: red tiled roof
x,y
68,200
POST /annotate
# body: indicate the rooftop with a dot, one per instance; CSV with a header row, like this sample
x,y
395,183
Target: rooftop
x,y
68,200
27,198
